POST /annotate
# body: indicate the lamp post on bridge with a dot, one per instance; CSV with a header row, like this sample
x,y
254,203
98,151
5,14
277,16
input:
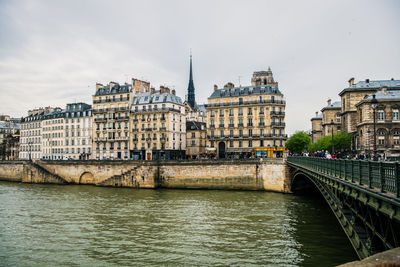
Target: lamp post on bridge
x,y
333,146
374,103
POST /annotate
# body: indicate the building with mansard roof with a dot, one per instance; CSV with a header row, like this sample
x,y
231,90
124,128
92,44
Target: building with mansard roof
x,y
247,121
158,123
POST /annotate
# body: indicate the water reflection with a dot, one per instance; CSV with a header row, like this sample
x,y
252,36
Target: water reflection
x,y
86,225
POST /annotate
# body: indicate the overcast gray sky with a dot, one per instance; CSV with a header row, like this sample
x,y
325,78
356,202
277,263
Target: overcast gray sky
x,y
53,52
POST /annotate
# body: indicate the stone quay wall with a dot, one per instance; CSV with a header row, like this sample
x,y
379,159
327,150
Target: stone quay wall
x,y
269,175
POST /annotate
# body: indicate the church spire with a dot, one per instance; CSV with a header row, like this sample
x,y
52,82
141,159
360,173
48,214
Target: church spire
x,y
191,97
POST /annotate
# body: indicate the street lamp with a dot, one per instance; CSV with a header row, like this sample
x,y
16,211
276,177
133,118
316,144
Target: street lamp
x,y
333,146
374,102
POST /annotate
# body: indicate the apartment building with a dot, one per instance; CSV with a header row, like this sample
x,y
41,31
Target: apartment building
x,y
31,133
247,121
111,105
157,125
78,131
196,139
53,135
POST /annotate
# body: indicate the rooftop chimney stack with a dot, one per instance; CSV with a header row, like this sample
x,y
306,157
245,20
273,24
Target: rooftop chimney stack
x,y
384,90
351,81
215,87
173,92
329,102
367,80
316,114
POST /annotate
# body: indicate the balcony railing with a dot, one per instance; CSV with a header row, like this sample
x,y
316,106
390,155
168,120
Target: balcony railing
x,y
270,101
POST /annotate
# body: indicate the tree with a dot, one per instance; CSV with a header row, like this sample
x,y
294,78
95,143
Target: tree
x,y
342,140
298,142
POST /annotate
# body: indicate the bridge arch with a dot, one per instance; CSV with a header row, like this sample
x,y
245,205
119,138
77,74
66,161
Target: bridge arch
x,y
86,178
302,183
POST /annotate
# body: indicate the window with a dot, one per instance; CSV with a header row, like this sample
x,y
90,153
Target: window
x,y
230,143
381,115
221,133
193,135
250,143
250,132
231,112
261,143
381,140
240,112
261,110
240,143
395,114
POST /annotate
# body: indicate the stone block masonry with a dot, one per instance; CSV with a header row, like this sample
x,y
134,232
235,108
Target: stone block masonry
x,y
269,175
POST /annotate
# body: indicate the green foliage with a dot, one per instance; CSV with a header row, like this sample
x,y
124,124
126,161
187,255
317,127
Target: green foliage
x,y
298,142
342,140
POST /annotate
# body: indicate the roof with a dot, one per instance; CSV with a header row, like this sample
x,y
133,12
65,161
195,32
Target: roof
x,y
194,125
115,89
9,125
390,95
334,105
376,84
372,85
246,90
147,98
201,108
318,117
54,115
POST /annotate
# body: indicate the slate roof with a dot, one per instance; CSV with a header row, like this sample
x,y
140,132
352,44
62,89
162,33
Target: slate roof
x,y
147,98
116,89
376,84
246,90
194,125
318,117
390,95
9,125
336,104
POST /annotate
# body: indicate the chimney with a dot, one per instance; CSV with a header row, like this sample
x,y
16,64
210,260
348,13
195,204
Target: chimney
x,y
215,87
152,90
392,79
316,113
163,89
367,80
173,92
98,85
384,90
229,85
111,84
351,81
329,102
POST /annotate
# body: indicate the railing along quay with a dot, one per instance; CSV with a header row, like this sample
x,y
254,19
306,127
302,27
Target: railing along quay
x,y
383,176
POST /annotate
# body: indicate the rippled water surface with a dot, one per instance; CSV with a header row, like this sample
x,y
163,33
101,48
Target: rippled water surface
x,y
48,225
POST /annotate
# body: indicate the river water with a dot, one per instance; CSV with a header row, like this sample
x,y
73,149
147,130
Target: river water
x,y
49,225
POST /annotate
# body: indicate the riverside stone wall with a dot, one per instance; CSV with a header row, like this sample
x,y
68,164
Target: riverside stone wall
x,y
270,175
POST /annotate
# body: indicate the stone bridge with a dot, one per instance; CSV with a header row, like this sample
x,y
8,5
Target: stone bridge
x,y
363,195
271,174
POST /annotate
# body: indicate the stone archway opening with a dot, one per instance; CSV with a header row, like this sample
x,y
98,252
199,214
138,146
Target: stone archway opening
x,y
86,178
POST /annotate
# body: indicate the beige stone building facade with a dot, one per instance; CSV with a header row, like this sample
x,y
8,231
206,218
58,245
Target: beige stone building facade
x,y
316,127
196,139
53,135
31,133
246,121
387,121
111,105
78,131
158,125
331,118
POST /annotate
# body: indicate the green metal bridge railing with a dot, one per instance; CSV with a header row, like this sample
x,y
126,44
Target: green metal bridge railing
x,y
382,176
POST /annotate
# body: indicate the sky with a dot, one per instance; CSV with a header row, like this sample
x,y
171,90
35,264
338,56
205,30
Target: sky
x,y
54,52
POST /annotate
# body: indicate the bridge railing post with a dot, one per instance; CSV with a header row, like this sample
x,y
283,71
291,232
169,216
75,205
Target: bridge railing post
x,y
397,179
359,173
352,171
369,174
382,176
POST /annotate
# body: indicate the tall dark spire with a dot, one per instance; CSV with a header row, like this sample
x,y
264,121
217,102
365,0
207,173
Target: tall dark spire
x,y
191,97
